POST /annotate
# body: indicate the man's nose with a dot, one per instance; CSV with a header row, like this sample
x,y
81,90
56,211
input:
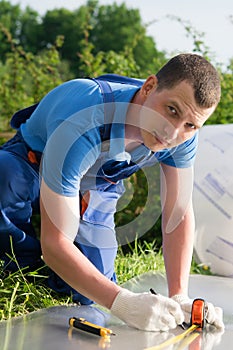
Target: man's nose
x,y
171,132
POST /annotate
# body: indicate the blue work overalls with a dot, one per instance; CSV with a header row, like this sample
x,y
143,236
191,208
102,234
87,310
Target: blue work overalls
x,y
19,193
19,198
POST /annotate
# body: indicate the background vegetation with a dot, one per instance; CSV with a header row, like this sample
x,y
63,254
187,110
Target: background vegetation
x,y
39,52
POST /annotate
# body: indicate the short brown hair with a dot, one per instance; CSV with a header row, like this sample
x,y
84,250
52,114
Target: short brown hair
x,y
196,71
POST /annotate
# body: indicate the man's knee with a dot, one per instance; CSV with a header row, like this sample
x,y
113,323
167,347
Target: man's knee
x,y
7,174
13,185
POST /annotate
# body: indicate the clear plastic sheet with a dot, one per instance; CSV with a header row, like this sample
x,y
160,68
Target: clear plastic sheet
x,y
49,328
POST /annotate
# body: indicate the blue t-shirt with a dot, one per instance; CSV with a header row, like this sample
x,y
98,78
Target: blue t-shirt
x,y
66,126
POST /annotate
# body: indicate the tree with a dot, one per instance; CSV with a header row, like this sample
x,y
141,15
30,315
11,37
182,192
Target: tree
x,y
112,31
68,24
115,27
30,32
10,20
24,27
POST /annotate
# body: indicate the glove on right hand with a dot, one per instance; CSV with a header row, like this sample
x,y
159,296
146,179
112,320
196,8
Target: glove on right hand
x,y
214,315
146,311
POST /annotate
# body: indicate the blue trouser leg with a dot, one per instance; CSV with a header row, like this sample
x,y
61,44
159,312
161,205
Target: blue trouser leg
x,y
19,187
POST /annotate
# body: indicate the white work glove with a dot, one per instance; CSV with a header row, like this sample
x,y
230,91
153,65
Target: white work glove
x,y
214,315
147,311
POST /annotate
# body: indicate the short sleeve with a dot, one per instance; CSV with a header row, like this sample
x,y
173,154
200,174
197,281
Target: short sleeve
x,y
182,156
71,150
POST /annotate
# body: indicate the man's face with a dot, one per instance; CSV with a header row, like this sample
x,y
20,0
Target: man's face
x,y
170,117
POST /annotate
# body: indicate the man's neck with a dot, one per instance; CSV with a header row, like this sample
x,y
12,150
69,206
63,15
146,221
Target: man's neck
x,y
133,137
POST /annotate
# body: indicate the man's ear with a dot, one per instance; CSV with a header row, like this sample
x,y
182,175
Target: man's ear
x,y
150,84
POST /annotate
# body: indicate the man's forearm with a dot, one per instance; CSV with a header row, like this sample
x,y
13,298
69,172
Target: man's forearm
x,y
67,260
72,266
177,251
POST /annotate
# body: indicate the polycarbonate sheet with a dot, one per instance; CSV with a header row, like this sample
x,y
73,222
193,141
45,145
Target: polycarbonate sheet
x,y
48,329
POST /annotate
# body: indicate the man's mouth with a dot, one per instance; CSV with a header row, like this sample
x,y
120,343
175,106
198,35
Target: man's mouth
x,y
161,140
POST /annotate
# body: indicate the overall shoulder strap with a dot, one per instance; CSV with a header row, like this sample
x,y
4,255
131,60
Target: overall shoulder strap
x,y
109,106
21,116
116,78
108,97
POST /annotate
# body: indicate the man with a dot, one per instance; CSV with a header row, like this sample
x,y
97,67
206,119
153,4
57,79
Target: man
x,y
81,181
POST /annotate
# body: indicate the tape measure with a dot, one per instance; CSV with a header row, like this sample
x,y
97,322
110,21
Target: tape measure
x,y
198,313
197,323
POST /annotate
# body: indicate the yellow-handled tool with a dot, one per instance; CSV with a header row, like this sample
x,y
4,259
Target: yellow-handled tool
x,y
84,325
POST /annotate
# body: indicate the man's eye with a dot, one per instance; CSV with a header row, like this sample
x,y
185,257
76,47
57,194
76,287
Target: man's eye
x,y
190,126
172,110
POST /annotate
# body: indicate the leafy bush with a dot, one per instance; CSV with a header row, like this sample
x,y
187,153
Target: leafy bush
x,y
26,78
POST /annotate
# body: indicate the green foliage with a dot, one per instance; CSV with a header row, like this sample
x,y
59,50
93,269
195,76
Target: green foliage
x,y
201,269
111,30
71,26
96,62
29,32
224,111
9,19
140,258
109,23
25,77
138,211
21,293
110,62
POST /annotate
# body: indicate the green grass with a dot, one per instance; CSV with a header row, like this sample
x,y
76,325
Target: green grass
x,y
140,259
21,292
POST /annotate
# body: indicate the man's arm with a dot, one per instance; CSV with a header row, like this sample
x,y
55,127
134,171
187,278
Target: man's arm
x,y
178,233
177,226
59,226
